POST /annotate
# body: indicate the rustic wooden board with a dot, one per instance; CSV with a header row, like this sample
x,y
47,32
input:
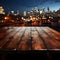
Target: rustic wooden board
x,y
8,37
49,38
29,38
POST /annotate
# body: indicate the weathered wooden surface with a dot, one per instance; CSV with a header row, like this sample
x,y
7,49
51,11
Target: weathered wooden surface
x,y
29,38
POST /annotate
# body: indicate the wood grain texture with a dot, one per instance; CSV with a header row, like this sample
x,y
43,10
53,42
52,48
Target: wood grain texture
x,y
29,38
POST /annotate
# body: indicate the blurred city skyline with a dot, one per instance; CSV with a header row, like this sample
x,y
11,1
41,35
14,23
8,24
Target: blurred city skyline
x,y
28,5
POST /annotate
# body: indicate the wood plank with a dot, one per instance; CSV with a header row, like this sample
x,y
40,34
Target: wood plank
x,y
54,31
4,32
24,41
49,43
7,38
16,38
53,37
37,43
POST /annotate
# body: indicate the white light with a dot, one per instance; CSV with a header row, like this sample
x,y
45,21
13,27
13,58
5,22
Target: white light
x,y
41,12
24,13
12,12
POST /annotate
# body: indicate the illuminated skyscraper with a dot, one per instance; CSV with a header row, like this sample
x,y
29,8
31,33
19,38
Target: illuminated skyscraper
x,y
25,13
1,10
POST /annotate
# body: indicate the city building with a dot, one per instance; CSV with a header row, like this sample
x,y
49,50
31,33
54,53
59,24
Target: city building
x,y
24,13
1,10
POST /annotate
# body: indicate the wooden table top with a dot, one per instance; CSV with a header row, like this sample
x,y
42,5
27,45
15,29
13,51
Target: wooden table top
x,y
29,38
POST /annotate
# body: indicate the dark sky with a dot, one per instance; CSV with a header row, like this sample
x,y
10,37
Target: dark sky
x,y
23,5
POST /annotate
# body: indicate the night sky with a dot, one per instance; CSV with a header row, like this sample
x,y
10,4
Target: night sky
x,y
23,5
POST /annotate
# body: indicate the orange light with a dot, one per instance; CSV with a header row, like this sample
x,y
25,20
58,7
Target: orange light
x,y
6,18
22,18
30,16
34,18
